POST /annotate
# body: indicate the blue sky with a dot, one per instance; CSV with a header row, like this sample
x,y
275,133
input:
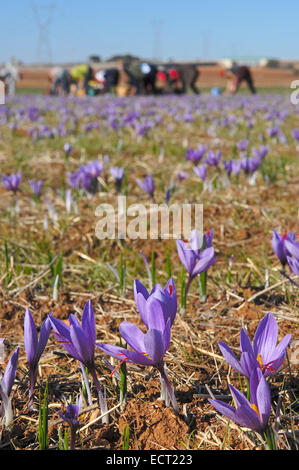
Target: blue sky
x,y
177,29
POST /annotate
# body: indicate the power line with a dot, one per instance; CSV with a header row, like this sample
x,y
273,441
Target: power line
x,y
157,27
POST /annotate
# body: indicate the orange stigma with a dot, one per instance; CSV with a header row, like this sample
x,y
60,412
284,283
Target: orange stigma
x,y
170,289
265,366
124,360
255,408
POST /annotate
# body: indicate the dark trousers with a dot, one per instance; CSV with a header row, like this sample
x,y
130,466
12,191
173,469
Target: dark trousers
x,y
193,81
244,75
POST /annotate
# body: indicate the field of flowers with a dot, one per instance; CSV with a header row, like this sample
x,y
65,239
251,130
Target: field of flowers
x,y
159,344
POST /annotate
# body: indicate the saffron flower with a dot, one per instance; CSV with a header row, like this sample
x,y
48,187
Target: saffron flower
x,y
200,171
243,144
164,300
34,347
182,175
195,259
294,265
79,342
6,384
12,182
36,186
253,414
147,184
118,174
67,148
264,353
71,417
195,155
280,244
147,349
212,158
292,246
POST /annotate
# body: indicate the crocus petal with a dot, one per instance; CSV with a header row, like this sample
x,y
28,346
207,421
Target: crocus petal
x,y
43,337
140,288
294,265
142,307
248,418
156,318
280,349
10,371
60,328
263,401
265,338
241,400
88,322
230,357
225,410
293,248
154,346
186,255
248,363
82,345
132,335
205,261
30,337
122,353
166,335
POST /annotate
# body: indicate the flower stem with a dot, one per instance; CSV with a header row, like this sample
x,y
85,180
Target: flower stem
x,y
169,389
85,378
102,401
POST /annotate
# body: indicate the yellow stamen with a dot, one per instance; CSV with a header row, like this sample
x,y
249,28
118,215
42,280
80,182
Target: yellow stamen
x,y
255,408
259,360
146,355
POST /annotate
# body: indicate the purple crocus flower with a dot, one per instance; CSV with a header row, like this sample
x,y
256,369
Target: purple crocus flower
x,y
236,167
292,246
295,134
71,417
294,265
164,300
10,371
67,148
34,347
79,342
200,171
36,187
242,145
212,158
195,155
264,352
261,152
118,174
253,414
6,384
250,165
94,168
195,261
147,184
228,166
182,175
194,257
147,349
279,245
12,182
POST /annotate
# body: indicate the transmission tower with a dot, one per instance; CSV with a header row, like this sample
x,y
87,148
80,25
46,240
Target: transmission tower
x,y
157,26
43,15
